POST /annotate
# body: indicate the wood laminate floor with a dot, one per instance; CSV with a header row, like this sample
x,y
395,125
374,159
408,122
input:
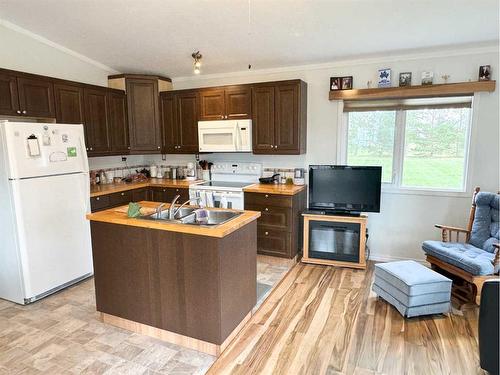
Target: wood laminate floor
x,y
62,334
325,320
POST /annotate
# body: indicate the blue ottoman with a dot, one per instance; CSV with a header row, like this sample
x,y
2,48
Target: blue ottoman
x,y
412,288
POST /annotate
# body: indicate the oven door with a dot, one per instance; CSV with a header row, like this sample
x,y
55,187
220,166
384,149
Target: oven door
x,y
217,136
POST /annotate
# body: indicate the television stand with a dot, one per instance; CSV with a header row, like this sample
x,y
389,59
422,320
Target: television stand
x,y
333,212
336,240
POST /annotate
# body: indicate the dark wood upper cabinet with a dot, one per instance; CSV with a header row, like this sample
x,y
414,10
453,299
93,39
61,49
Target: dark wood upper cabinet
x,y
143,115
118,123
69,104
280,117
187,122
286,130
9,98
36,97
180,122
238,102
212,104
96,121
263,119
169,122
232,102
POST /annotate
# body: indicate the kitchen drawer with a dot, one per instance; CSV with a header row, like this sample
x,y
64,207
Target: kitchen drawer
x,y
99,203
275,242
118,199
140,195
266,200
164,194
183,192
273,216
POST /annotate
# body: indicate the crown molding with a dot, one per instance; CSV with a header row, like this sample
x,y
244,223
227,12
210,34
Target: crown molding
x,y
463,50
16,28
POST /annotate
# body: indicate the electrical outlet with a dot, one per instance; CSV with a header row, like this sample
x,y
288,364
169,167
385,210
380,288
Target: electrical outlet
x,y
124,158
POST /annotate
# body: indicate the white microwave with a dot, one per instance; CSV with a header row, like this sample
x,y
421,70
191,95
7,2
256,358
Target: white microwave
x,y
225,136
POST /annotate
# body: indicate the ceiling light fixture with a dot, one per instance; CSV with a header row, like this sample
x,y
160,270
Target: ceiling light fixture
x,y
197,62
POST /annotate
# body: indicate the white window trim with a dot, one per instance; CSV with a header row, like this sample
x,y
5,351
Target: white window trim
x,y
397,173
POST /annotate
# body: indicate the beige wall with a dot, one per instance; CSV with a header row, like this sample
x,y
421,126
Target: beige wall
x,y
405,219
24,53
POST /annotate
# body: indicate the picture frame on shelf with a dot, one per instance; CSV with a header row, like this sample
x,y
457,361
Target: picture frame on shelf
x,y
485,72
427,78
405,79
335,83
384,77
346,83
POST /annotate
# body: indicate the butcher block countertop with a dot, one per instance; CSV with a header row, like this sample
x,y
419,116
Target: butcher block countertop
x,y
104,189
118,215
275,189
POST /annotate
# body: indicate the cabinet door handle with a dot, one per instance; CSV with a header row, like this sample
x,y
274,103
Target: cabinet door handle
x,y
176,189
24,112
128,148
266,233
122,194
19,112
267,209
222,117
267,196
98,199
159,147
91,149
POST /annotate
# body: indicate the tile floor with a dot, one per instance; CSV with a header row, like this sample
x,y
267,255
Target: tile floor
x,y
62,335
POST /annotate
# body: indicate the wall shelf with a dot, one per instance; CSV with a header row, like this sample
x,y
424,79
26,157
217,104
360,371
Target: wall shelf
x,y
445,89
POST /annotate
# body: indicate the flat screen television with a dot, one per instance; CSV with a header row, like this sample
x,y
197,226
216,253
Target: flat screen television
x,y
344,189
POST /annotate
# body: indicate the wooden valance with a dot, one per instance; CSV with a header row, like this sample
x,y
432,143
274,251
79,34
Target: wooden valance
x,y
426,91
408,103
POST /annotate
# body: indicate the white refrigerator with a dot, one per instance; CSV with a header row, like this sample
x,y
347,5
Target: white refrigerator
x,y
44,196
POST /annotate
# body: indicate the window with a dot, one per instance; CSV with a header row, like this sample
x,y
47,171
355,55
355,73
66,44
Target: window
x,y
418,146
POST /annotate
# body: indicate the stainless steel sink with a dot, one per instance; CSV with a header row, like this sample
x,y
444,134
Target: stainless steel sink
x,y
187,215
213,218
184,211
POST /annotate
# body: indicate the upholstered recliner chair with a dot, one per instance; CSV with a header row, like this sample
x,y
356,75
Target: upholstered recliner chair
x,y
472,262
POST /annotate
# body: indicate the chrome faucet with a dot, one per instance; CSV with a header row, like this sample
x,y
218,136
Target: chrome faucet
x,y
171,209
158,210
186,202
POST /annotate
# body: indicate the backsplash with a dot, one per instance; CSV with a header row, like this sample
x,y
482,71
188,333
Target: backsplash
x,y
279,164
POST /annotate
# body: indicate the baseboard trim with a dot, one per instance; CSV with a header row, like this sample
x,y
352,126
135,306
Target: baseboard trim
x,y
391,258
172,337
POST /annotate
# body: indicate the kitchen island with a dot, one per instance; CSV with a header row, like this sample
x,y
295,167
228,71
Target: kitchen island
x,y
187,284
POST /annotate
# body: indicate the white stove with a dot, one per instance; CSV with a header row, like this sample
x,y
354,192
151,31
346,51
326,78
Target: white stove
x,y
226,187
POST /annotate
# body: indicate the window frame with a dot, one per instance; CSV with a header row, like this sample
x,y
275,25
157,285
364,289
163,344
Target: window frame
x,y
396,187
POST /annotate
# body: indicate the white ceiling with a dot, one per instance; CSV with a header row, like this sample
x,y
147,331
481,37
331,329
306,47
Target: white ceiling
x,y
158,36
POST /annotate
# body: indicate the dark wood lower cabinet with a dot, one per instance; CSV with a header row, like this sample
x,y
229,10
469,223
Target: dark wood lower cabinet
x,y
99,203
141,195
196,286
155,194
278,228
165,194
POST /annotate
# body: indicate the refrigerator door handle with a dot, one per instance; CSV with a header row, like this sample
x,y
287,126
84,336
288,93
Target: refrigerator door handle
x,y
86,198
